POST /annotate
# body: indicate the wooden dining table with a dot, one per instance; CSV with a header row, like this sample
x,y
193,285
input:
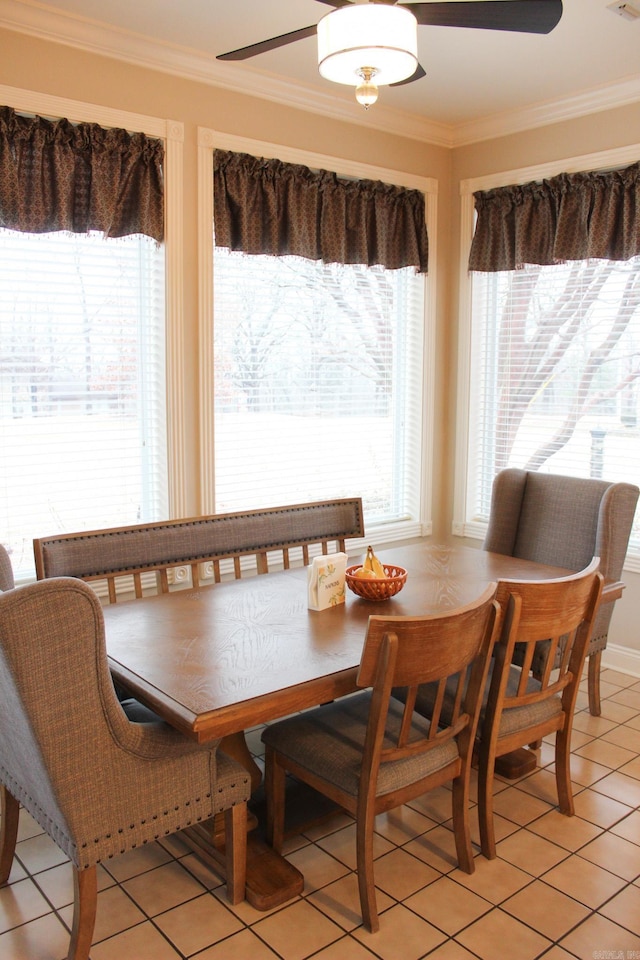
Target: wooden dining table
x,y
218,660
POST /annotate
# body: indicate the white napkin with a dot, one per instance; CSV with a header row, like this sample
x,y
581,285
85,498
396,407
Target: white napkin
x,y
326,581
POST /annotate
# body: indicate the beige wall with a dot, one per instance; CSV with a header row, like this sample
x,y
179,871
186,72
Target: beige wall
x,y
63,71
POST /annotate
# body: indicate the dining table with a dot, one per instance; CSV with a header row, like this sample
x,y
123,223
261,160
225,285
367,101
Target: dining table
x,y
220,659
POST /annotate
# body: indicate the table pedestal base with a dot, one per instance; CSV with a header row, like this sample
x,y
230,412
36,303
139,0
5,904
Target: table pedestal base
x,y
515,764
271,880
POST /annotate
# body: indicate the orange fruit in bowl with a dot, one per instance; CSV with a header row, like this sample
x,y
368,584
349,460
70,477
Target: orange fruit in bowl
x,y
363,573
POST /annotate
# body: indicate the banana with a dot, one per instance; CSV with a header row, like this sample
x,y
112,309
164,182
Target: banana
x,y
372,563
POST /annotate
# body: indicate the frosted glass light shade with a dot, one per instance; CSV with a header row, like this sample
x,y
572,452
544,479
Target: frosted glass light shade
x,y
376,36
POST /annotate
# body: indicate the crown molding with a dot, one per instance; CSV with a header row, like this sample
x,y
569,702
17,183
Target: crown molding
x,y
606,97
46,23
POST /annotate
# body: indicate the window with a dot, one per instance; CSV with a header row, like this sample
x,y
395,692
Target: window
x,y
316,380
91,337
318,384
553,376
82,385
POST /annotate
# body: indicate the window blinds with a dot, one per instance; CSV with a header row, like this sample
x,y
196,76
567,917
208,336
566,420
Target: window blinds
x,y
318,384
555,374
82,385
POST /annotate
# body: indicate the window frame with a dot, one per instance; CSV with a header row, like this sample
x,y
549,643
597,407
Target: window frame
x,y
605,160
210,140
172,132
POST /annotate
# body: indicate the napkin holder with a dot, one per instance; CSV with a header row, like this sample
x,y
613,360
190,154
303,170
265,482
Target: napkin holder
x,y
326,581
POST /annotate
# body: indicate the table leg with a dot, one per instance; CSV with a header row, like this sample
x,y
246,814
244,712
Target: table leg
x,y
271,880
235,745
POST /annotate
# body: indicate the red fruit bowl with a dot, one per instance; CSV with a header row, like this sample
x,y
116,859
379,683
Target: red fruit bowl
x,y
378,589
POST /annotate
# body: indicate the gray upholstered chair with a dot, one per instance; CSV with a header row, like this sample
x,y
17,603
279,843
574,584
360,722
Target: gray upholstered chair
x,y
97,784
368,753
565,521
523,705
6,570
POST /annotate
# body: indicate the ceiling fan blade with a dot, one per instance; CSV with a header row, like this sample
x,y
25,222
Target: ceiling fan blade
x,y
243,53
520,16
418,74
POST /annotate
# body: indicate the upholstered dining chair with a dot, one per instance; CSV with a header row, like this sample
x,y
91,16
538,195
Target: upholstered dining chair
x,y
6,570
525,704
96,783
565,521
369,753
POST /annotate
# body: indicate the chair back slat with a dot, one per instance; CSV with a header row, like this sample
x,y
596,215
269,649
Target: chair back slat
x,y
111,587
434,723
562,647
407,716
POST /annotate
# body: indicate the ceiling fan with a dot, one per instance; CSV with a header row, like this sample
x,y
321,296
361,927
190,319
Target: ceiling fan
x,y
359,42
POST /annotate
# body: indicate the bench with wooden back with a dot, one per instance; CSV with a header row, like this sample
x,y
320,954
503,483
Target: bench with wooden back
x,y
123,557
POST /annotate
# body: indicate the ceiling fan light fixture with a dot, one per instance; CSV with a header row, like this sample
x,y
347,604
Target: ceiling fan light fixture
x,y
371,37
367,90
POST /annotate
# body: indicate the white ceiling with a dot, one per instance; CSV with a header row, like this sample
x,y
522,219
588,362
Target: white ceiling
x,y
479,83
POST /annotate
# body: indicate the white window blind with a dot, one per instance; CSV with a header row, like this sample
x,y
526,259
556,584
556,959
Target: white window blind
x,y
555,375
82,386
318,384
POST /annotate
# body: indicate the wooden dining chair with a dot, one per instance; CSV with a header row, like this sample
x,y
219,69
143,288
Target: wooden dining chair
x,y
96,783
525,703
565,521
369,753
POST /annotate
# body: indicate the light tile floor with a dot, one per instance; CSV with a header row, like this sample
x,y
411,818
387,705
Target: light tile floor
x,y
560,887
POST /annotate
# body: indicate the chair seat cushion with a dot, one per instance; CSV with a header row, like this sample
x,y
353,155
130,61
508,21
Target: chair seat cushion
x,y
137,712
328,741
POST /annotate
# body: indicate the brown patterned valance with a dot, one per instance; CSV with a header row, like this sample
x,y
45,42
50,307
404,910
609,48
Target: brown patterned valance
x,y
569,217
56,175
275,208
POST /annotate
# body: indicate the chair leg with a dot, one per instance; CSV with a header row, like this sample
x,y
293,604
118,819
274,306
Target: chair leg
x,y
486,767
274,788
593,683
235,844
85,902
10,812
461,831
364,856
563,771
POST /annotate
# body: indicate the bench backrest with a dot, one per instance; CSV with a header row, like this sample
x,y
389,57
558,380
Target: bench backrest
x,y
129,552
